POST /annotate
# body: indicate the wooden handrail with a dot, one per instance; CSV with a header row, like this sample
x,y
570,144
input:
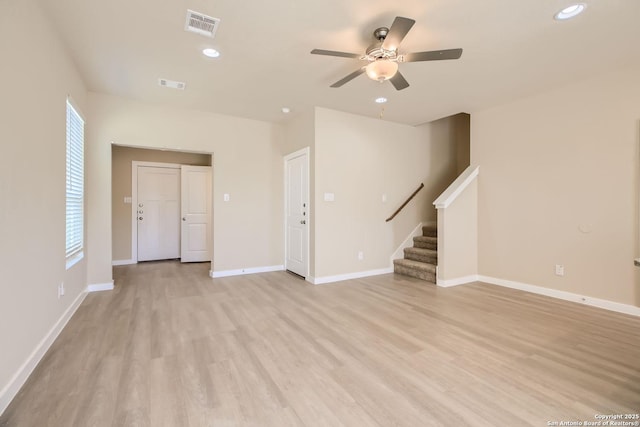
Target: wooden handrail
x,y
405,203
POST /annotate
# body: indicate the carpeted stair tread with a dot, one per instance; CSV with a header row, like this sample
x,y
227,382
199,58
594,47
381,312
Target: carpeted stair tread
x,y
426,242
415,264
419,270
421,254
430,230
420,260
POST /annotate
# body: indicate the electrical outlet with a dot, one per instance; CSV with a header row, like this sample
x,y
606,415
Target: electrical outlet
x,y
360,255
60,290
559,270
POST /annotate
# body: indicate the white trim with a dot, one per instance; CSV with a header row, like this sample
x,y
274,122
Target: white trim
x,y
243,271
97,287
457,281
408,242
349,276
20,377
567,296
457,187
74,259
123,262
302,152
75,107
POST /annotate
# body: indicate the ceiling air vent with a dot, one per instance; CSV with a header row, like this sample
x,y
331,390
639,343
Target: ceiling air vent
x,y
201,24
172,84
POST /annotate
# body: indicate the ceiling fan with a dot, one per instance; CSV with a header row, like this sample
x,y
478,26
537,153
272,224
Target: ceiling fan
x,y
383,56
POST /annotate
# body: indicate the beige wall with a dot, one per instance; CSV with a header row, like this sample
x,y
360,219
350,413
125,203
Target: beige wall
x,y
121,159
458,237
559,185
359,159
463,141
38,76
247,165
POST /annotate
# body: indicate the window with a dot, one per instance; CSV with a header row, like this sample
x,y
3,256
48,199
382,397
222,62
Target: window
x,y
75,186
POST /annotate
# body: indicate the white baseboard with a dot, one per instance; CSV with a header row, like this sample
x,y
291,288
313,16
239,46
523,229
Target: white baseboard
x,y
349,276
242,271
123,262
97,287
457,281
17,381
567,296
408,242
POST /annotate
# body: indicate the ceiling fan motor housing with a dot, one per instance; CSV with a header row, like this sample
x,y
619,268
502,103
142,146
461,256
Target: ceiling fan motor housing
x,y
375,51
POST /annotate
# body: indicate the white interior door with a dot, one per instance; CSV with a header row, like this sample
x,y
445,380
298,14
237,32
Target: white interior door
x,y
297,212
196,213
158,213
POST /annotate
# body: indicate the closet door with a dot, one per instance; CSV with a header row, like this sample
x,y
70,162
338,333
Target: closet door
x,y
158,213
196,213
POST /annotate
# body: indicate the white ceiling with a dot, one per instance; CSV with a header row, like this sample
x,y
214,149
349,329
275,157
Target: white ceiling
x,y
512,48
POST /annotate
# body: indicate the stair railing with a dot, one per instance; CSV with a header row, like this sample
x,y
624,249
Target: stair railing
x,y
405,203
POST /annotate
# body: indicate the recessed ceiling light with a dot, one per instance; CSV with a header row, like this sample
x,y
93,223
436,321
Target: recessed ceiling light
x,y
286,110
211,53
570,11
381,100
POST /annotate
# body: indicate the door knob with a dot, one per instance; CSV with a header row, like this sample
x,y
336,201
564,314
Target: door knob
x,y
303,222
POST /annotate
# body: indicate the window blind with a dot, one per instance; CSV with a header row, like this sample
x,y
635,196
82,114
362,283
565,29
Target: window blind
x,y
75,183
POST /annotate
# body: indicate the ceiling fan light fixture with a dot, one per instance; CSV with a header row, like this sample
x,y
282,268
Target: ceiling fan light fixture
x,y
382,69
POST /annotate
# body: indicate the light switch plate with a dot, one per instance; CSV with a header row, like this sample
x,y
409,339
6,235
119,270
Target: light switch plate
x,y
329,197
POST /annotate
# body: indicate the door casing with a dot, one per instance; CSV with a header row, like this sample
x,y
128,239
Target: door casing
x,y
134,204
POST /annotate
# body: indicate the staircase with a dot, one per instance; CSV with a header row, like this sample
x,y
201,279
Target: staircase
x,y
421,260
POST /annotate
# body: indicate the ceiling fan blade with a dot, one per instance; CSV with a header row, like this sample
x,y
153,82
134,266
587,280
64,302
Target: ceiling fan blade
x,y
335,53
433,55
397,32
399,82
349,77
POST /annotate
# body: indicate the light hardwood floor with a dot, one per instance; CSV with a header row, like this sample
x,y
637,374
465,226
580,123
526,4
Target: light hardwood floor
x,y
172,347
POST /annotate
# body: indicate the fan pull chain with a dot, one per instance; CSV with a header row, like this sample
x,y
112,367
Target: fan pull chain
x,y
381,113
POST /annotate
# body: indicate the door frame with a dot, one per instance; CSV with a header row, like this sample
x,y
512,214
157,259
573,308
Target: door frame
x,y
306,152
134,200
